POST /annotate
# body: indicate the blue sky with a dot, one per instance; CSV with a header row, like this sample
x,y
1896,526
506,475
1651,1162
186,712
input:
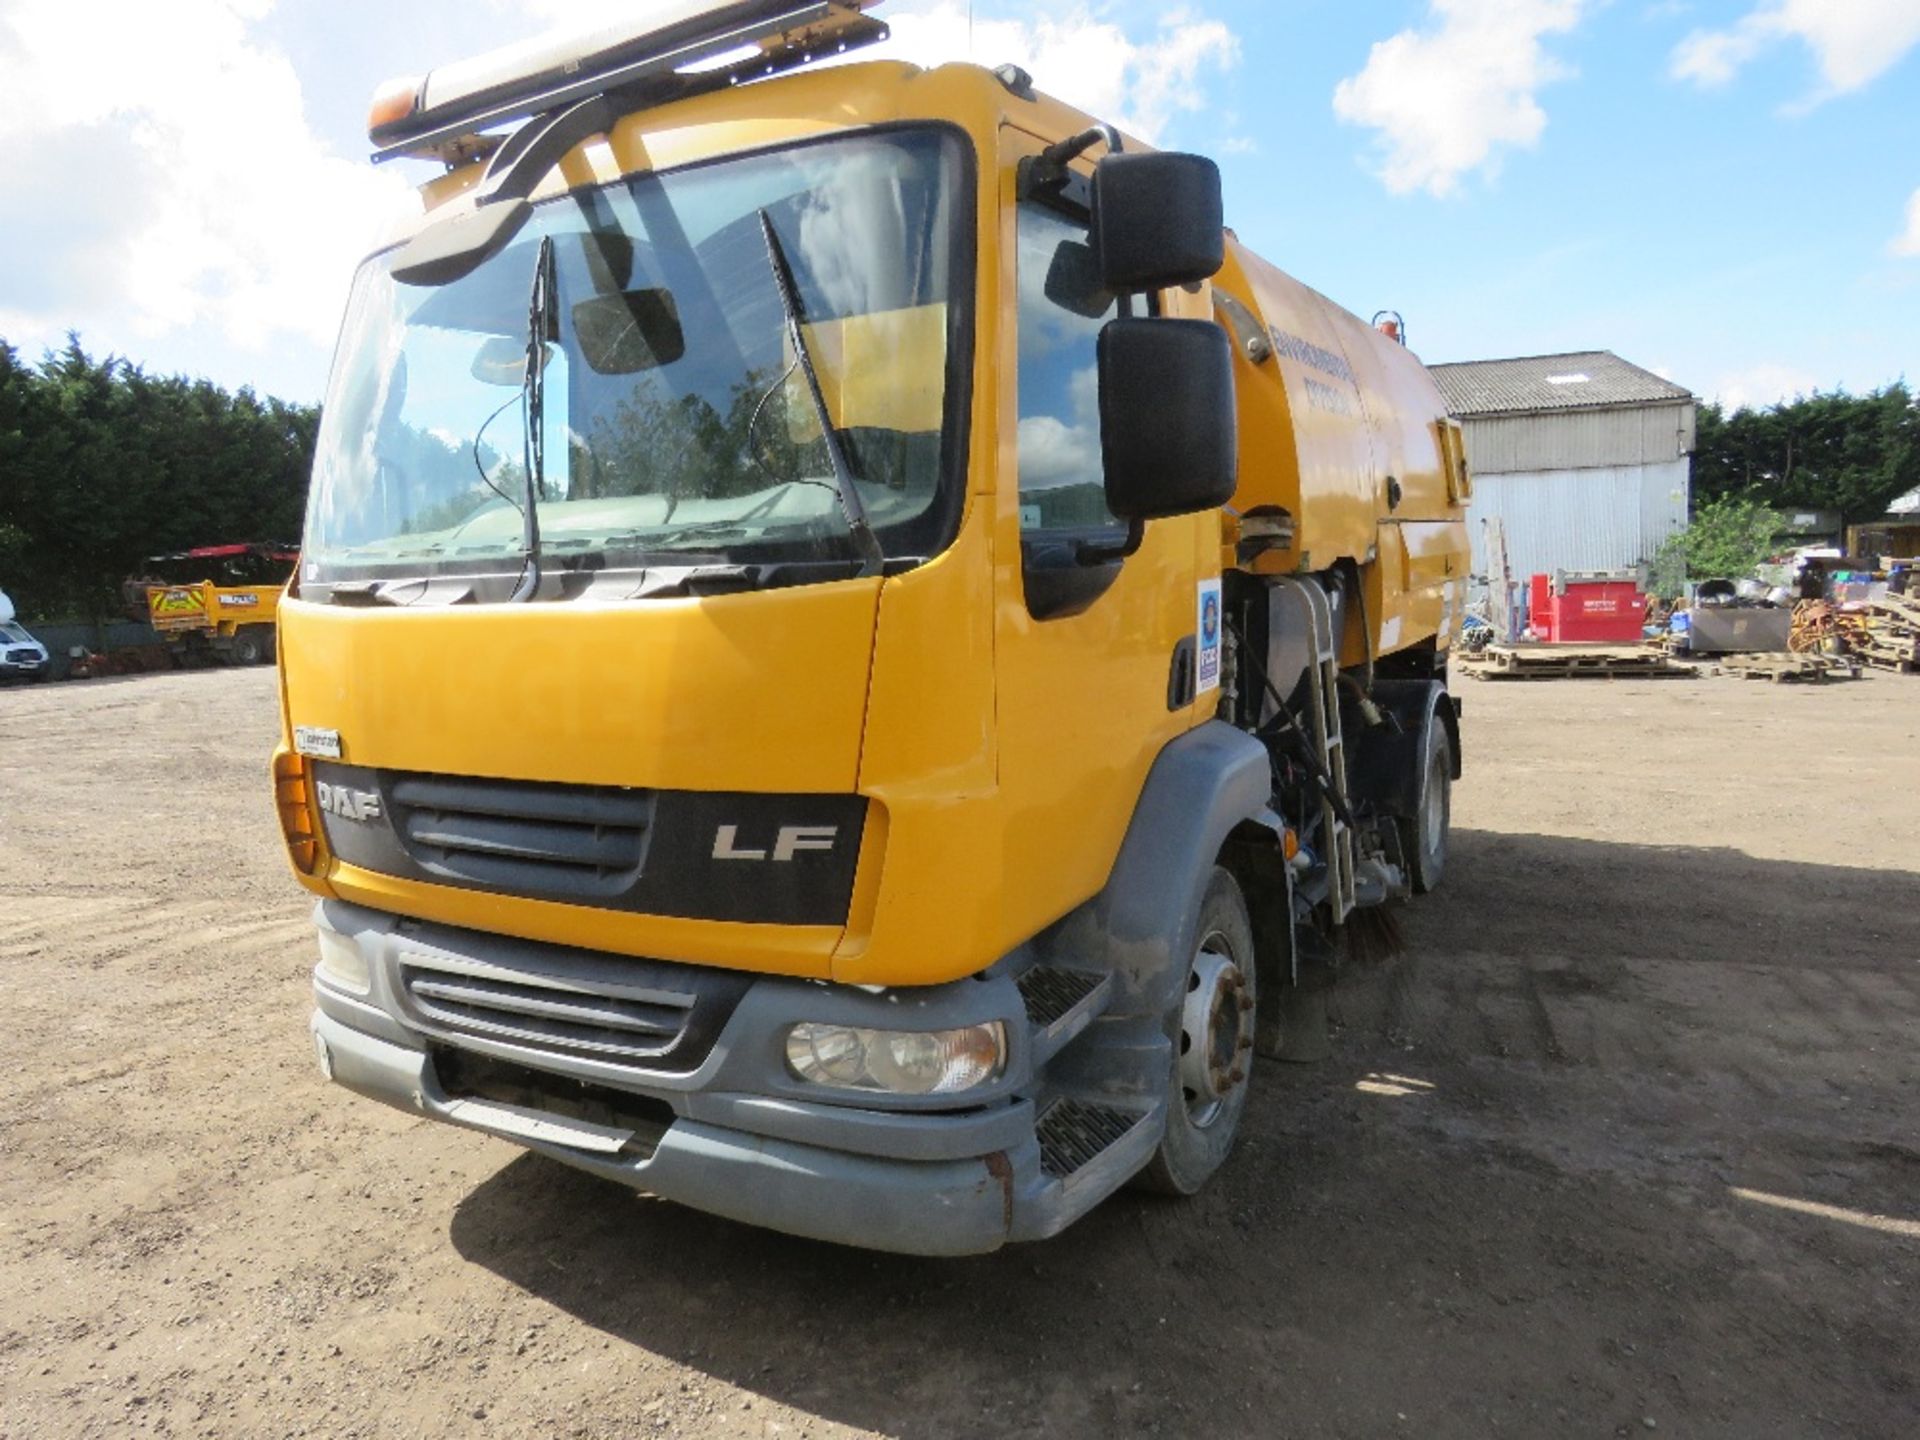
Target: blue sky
x,y
1726,192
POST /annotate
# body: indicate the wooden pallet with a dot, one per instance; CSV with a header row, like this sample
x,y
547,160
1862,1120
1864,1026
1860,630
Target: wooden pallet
x,y
1890,640
1781,668
1903,609
1892,664
1574,662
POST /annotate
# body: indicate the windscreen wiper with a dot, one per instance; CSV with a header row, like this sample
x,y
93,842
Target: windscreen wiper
x,y
851,506
539,328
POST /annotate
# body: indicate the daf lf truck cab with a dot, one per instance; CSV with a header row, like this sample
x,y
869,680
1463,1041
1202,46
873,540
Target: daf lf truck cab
x,y
851,642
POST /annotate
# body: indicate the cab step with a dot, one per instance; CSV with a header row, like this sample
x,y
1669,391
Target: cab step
x,y
1074,1133
1060,1003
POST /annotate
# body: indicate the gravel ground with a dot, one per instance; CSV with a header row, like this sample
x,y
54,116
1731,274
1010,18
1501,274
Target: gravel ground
x,y
1627,1141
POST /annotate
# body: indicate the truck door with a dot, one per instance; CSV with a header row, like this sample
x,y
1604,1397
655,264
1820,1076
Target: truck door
x,y
1083,652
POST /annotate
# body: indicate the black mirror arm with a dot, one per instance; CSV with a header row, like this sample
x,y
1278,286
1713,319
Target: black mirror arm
x,y
523,161
453,247
1049,169
1060,152
1046,175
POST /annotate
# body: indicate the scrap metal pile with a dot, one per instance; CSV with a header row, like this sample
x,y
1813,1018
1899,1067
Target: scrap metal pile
x,y
1816,629
1883,632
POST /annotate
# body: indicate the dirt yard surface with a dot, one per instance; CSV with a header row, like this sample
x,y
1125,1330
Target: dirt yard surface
x,y
1628,1141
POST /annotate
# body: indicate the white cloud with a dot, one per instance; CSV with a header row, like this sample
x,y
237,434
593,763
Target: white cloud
x,y
1908,241
1761,385
1139,83
1854,41
175,182
1058,450
1449,98
577,14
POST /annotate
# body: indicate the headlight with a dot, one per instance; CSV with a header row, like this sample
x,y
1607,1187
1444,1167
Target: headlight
x,y
342,965
901,1062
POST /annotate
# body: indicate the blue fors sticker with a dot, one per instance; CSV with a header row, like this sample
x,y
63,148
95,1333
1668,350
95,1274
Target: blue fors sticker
x,y
1207,674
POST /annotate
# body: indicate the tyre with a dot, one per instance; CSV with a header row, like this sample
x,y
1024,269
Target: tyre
x,y
1425,837
247,648
270,647
1213,1046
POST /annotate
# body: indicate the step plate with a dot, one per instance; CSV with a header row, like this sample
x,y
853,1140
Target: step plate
x,y
1073,1133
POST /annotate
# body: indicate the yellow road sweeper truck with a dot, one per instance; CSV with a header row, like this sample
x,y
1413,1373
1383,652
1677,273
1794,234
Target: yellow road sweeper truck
x,y
852,644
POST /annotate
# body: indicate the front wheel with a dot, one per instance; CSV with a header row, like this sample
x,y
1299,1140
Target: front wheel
x,y
1213,1046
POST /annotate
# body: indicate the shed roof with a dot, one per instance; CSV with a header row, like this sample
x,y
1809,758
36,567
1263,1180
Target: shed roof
x,y
1578,380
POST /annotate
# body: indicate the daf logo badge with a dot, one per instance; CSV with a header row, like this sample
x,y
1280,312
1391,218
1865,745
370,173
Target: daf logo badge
x,y
790,841
348,804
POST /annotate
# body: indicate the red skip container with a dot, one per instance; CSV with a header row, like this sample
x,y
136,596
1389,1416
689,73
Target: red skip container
x,y
1588,609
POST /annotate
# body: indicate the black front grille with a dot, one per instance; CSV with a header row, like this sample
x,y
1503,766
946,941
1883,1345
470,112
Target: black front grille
x,y
570,842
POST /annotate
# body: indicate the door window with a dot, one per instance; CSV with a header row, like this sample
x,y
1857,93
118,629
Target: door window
x,y
1062,310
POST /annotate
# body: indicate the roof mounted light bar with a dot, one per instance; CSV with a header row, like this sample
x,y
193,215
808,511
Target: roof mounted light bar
x,y
694,46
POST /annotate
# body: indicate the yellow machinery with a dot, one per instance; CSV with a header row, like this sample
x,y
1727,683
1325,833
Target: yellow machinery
x,y
219,602
852,646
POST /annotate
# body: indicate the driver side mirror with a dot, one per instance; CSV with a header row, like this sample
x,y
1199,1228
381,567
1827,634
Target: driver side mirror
x,y
1168,430
1158,220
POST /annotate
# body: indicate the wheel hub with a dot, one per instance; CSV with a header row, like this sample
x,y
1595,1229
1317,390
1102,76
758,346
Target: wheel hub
x,y
1216,1031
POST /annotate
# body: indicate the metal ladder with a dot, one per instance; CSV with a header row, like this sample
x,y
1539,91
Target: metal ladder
x,y
1336,839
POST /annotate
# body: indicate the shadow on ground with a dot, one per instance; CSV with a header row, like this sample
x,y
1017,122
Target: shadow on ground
x,y
1506,1205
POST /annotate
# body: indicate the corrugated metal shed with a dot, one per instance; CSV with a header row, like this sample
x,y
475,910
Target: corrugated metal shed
x,y
1583,457
1533,384
1580,439
1605,519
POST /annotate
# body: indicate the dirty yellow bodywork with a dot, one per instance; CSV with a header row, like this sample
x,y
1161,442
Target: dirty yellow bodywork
x,y
1343,430
1002,756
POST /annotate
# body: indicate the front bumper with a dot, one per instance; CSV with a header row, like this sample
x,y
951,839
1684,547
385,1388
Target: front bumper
x,y
24,669
941,1207
739,1136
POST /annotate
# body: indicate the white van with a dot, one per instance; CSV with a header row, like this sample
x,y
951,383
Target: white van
x,y
21,656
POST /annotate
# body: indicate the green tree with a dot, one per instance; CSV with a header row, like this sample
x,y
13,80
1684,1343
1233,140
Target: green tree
x,y
1826,451
102,464
1724,540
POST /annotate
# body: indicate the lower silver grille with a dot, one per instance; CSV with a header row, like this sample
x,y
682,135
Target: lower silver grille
x,y
588,1019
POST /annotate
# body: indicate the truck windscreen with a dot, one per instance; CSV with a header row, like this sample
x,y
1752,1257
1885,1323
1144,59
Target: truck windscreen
x,y
677,428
